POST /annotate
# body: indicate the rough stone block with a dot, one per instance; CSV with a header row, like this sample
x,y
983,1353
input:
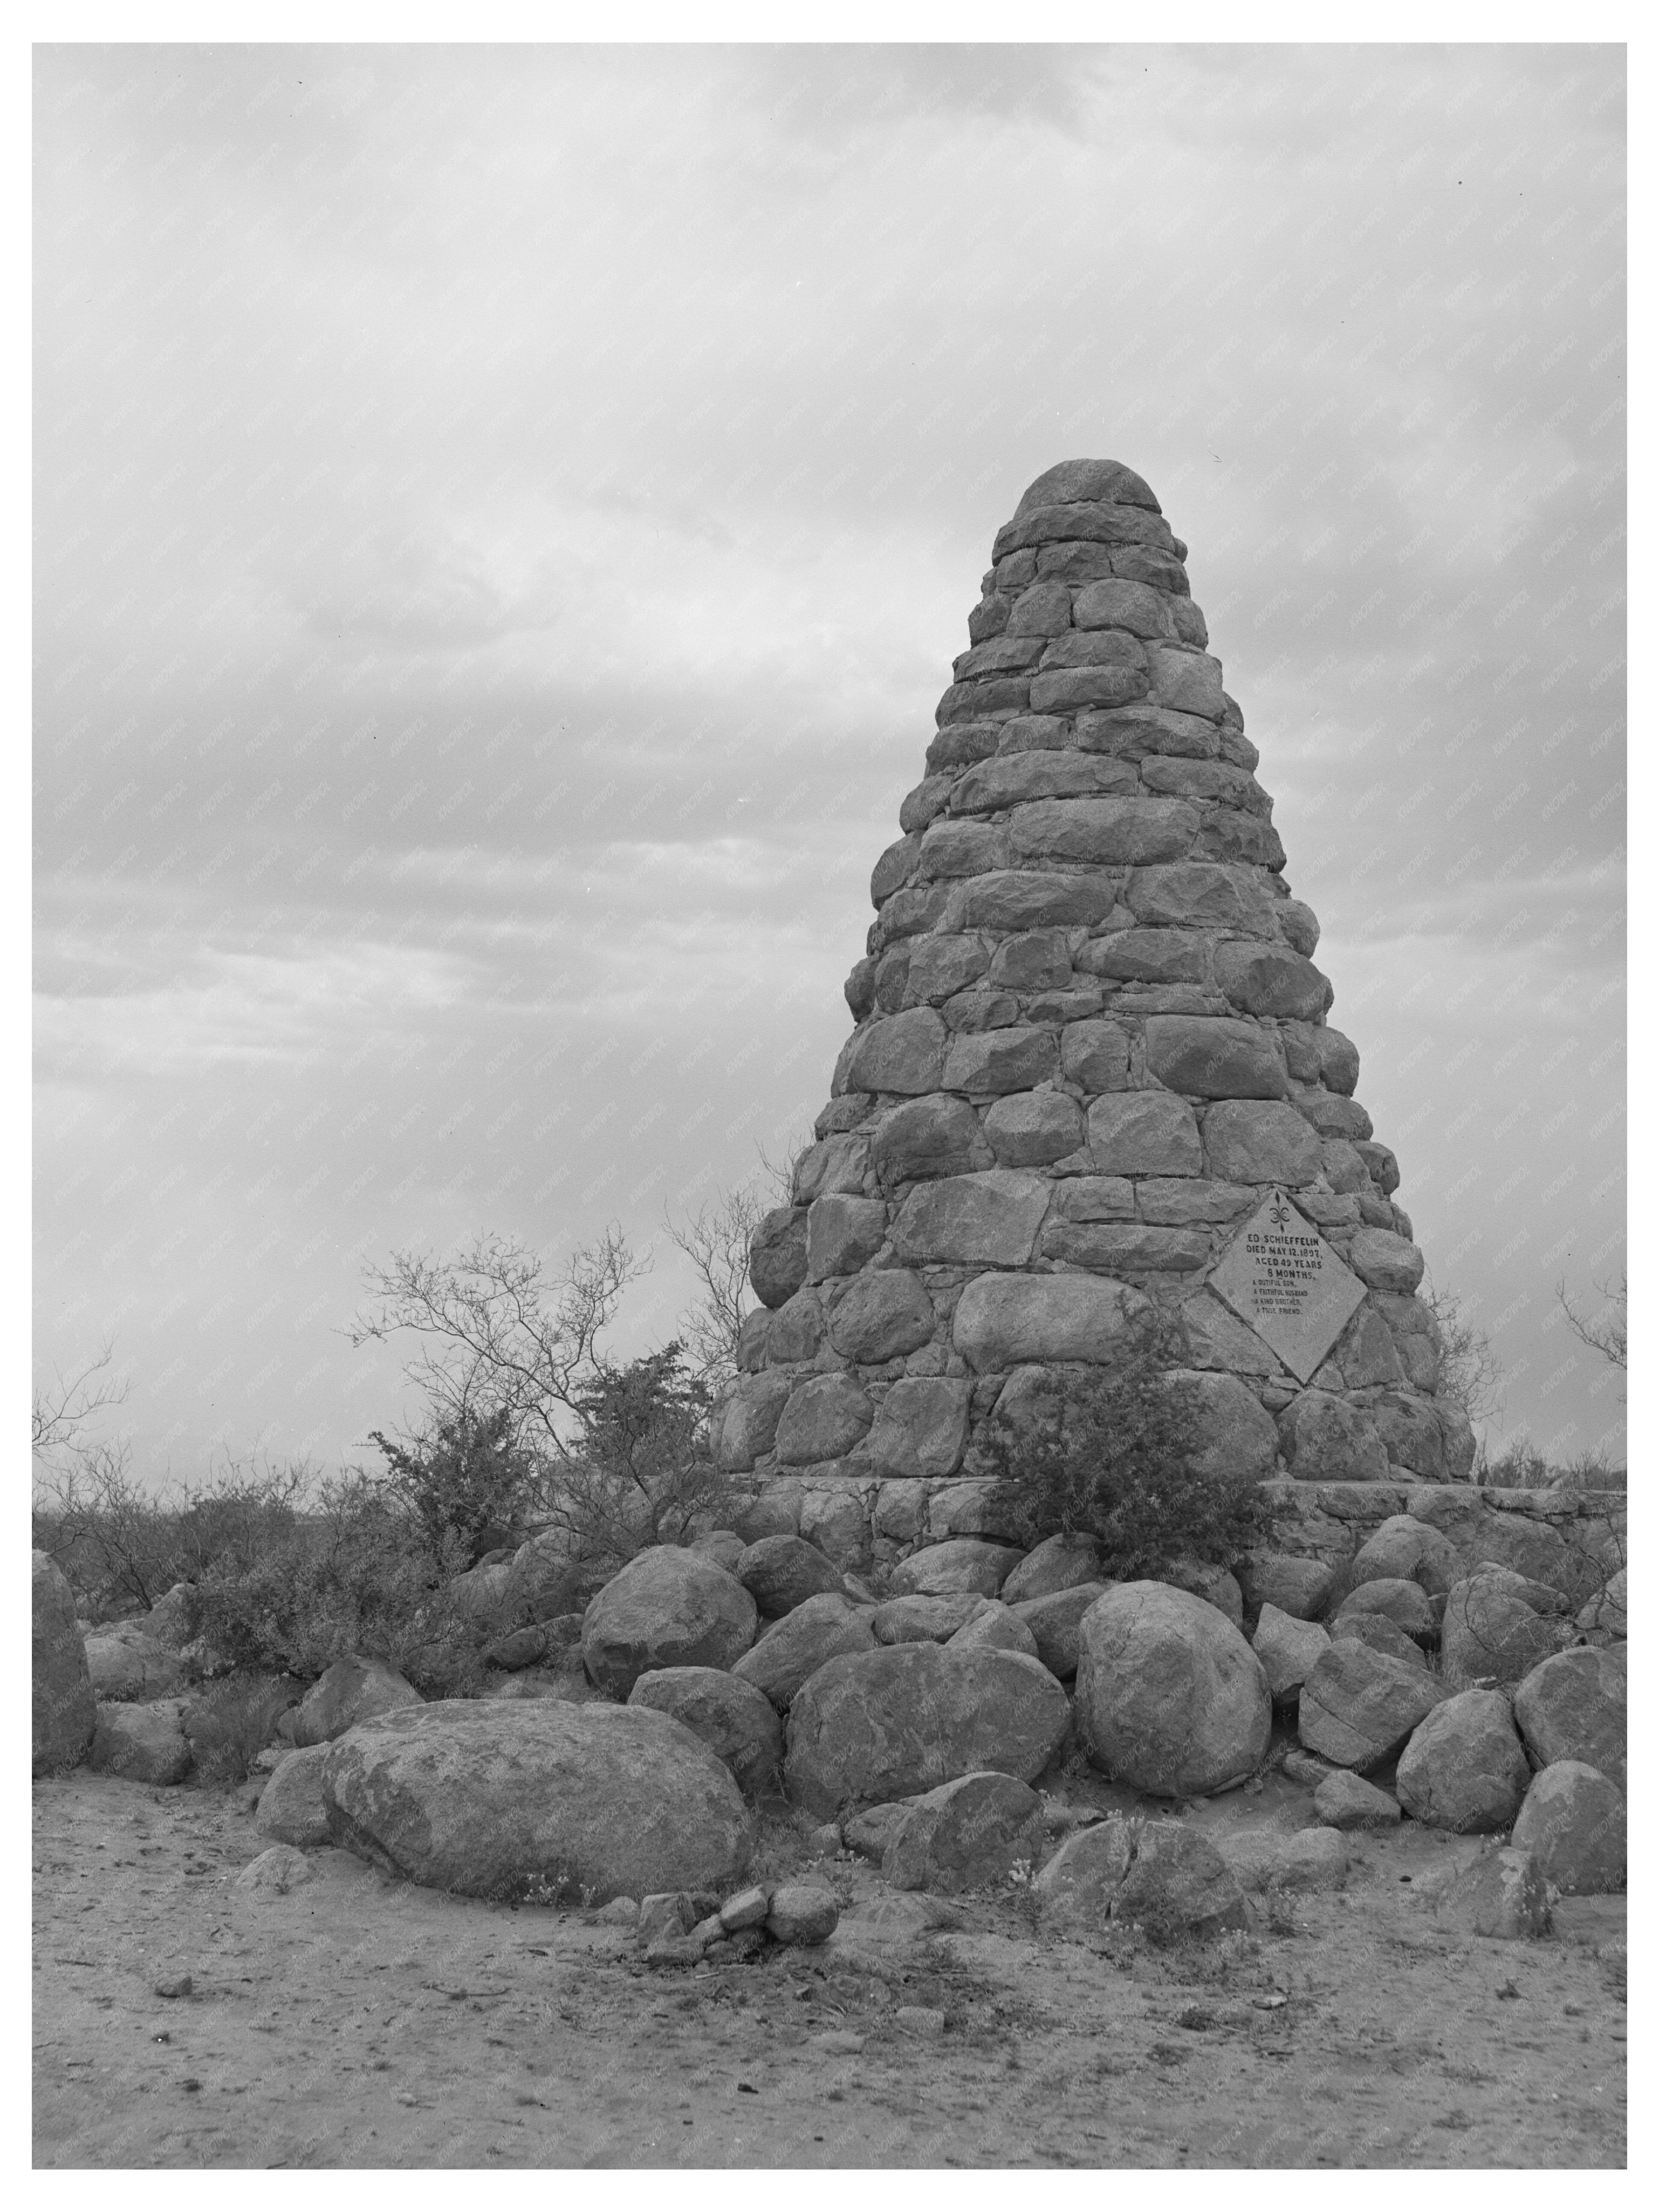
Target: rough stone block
x,y
823,1418
1261,978
1259,1141
885,1312
938,1135
1324,1439
1145,955
1095,1056
1017,900
1033,1129
841,1234
986,1220
777,1254
1136,1133
1001,1060
1201,895
1208,1058
902,1053
1007,1321
1129,1247
1103,832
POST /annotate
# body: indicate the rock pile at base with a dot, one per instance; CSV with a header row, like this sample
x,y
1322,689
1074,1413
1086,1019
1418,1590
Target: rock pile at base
x,y
1091,1043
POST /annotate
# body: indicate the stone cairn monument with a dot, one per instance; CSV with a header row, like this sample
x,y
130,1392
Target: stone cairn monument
x,y
1091,1069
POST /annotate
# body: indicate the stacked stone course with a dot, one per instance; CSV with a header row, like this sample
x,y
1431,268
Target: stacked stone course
x,y
1091,1039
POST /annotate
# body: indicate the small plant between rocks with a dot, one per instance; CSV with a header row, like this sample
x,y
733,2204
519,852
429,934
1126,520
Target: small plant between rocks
x,y
1110,1458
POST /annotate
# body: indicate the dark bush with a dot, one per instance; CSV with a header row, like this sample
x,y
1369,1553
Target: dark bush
x,y
469,1480
230,1723
1111,1460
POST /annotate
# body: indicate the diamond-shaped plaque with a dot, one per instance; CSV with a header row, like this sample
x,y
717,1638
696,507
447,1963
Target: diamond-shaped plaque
x,y
1280,1275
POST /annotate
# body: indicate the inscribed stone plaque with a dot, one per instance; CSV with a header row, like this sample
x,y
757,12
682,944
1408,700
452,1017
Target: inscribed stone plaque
x,y
1280,1275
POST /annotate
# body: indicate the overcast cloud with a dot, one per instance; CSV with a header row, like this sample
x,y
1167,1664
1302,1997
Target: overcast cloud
x,y
504,518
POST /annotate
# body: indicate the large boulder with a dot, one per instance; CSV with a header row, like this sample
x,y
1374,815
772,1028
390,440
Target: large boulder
x,y
780,1572
127,1665
1288,1650
64,1710
1170,1699
733,1718
903,1718
964,1833
1606,1613
1574,1706
352,1690
961,1564
1358,1707
537,1799
1059,1563
1490,1634
1178,1884
997,1627
1464,1768
1405,1603
1573,1824
542,1581
142,1743
293,1807
1411,1550
794,1649
1216,1586
668,1608
1056,1623
1377,1630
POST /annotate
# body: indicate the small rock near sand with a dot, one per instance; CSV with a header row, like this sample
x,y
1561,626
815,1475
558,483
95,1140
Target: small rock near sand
x,y
801,1913
1344,1801
276,1871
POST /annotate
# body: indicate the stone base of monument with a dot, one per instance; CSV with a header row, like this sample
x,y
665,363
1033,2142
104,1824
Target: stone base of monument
x,y
1571,1539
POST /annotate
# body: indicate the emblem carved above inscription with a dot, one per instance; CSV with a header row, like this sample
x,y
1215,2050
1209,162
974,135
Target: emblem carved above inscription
x,y
1280,1276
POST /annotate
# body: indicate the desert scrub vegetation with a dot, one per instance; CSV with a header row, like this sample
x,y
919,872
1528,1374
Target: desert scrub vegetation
x,y
1106,1457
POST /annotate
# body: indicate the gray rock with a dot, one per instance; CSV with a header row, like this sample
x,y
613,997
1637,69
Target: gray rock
x,y
1125,1248
1202,894
1607,1614
1169,1696
1103,832
990,1219
898,1053
666,1913
1144,1133
965,1834
895,1721
747,1908
802,1913
1288,1650
1058,1562
65,1713
1012,1320
1251,1140
777,1254
963,1563
1229,1432
1377,1630
1357,1708
1074,1891
747,1425
921,1426
844,1234
142,1743
780,1572
352,1690
1384,1261
545,1800
1206,1057
1032,1128
923,1138
1326,1439
723,1546
519,1647
1019,900
1056,1624
667,1608
1411,1550
791,1651
885,1314
795,1332
732,1716
1343,1801
291,1808
1178,1884
1464,1768
825,1417
277,1870
925,1619
1574,1706
1405,1603
1095,1056
169,1619
1573,1823
1504,1894
1262,1859
1215,1585
1264,979
991,1061
126,1665
869,1833
996,1627
1489,1635
1299,1587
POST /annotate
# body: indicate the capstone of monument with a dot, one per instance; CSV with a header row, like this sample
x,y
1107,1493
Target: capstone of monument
x,y
1091,1072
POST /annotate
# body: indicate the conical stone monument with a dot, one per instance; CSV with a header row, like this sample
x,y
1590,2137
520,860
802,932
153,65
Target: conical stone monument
x,y
1092,1068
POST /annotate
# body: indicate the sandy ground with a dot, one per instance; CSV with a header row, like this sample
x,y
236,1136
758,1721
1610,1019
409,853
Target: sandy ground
x,y
356,2021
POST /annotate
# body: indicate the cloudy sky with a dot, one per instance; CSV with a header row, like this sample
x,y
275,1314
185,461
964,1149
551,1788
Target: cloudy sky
x,y
503,520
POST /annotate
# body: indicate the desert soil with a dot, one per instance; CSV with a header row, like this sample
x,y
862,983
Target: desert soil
x,y
358,2022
